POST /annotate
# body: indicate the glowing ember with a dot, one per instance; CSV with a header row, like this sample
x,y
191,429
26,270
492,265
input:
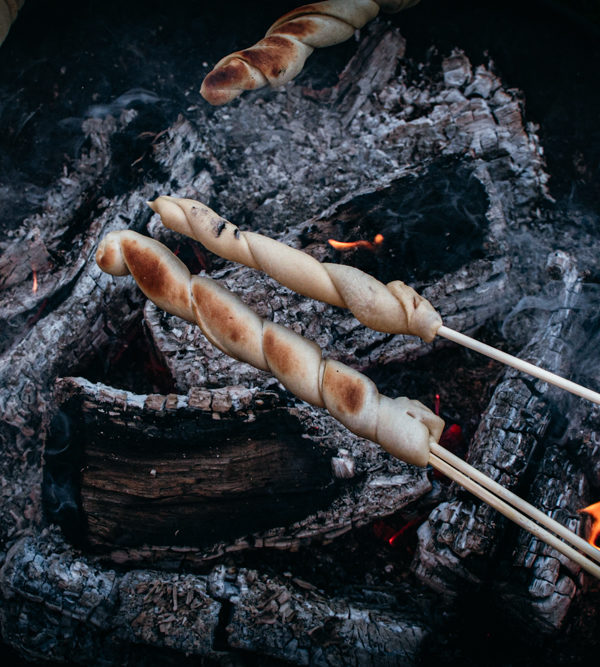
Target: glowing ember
x,y
348,245
34,287
452,437
594,512
387,533
392,541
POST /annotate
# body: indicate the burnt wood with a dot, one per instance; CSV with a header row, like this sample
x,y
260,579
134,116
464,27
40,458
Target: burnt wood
x,y
210,472
462,539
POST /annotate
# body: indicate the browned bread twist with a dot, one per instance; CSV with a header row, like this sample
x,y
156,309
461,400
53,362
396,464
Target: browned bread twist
x,y
281,54
8,13
392,308
403,427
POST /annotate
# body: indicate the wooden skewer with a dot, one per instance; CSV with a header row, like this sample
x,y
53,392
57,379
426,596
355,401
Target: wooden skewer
x,y
513,514
511,498
519,364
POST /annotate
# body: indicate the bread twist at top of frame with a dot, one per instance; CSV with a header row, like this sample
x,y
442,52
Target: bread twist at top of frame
x,y
393,308
8,13
281,54
403,427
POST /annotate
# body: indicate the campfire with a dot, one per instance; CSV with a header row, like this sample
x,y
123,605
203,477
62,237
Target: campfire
x,y
333,396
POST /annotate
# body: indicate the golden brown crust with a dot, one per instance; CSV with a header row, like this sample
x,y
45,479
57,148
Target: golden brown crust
x,y
271,56
294,361
347,392
161,276
224,324
227,322
405,427
280,354
280,55
301,28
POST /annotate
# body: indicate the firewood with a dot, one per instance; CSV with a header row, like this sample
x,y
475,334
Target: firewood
x,y
273,165
404,428
459,537
192,477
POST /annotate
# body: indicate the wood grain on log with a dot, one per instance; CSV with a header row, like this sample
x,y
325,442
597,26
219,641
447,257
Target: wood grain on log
x,y
214,470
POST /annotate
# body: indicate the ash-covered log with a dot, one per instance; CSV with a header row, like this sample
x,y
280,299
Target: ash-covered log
x,y
210,472
145,616
464,540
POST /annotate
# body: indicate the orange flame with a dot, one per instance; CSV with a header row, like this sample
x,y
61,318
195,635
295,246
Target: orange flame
x,y
594,512
34,287
348,245
399,533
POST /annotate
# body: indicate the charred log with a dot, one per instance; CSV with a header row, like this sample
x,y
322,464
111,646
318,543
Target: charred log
x,y
177,615
462,538
211,472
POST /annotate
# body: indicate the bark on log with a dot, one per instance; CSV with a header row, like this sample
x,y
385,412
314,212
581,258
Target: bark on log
x,y
153,616
549,582
58,595
211,472
84,310
462,539
313,630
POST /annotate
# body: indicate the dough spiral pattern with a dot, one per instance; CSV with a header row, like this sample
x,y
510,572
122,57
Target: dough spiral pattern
x,y
281,54
393,308
403,427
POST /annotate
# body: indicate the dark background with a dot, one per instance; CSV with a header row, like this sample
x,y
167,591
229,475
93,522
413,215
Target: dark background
x,y
63,62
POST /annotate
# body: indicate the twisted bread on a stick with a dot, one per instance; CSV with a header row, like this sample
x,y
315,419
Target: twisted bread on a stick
x,y
392,308
403,427
281,54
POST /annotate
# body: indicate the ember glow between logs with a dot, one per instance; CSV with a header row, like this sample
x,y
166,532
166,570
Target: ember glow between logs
x,y
34,287
451,438
393,536
594,512
349,245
